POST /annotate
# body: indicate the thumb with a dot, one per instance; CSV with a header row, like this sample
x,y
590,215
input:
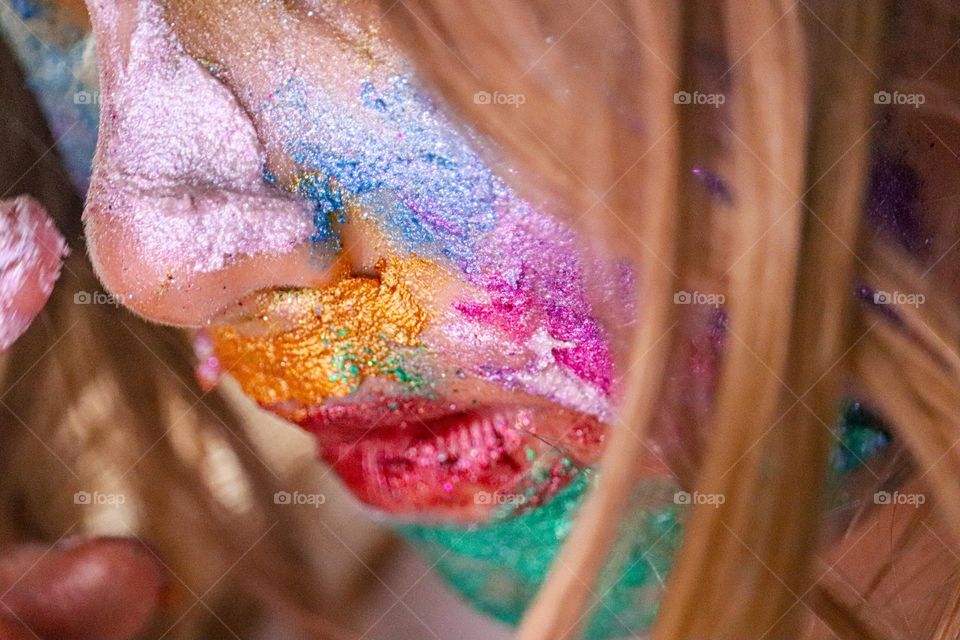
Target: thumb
x,y
99,589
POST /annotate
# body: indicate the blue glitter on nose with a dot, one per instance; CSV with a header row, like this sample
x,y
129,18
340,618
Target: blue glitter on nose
x,y
329,207
395,162
370,97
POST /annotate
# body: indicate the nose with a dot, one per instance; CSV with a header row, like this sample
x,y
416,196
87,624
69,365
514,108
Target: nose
x,y
180,221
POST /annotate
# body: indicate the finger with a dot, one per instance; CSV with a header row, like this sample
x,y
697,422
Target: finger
x,y
101,589
31,253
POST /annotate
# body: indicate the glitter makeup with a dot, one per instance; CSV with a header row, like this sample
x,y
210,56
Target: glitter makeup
x,y
430,460
372,148
329,340
296,350
31,253
499,567
464,385
179,168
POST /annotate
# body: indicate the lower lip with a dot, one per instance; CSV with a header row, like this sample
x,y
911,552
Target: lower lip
x,y
424,461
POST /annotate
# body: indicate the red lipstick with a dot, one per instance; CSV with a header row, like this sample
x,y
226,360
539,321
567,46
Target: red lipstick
x,y
434,460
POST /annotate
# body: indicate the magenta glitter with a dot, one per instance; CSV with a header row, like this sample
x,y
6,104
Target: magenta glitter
x,y
179,189
545,288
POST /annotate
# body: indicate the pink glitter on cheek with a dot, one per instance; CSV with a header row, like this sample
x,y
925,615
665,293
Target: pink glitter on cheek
x,y
509,310
533,275
31,253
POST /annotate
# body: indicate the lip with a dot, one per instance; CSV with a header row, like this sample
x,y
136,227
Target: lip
x,y
427,459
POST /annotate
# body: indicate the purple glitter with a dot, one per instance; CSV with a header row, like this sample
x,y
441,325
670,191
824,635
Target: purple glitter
x,y
892,202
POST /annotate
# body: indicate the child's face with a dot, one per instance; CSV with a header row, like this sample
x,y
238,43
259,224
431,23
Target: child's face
x,y
349,257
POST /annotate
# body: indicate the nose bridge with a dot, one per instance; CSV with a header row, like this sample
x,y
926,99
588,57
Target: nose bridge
x,y
180,220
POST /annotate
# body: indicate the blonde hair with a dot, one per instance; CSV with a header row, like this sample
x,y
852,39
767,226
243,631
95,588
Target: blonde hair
x,y
802,121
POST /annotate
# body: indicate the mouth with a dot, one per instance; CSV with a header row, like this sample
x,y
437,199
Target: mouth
x,y
468,462
410,434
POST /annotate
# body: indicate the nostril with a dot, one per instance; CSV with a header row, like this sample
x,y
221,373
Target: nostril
x,y
181,219
157,250
363,246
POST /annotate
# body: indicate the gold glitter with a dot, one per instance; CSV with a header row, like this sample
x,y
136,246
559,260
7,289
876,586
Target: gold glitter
x,y
331,339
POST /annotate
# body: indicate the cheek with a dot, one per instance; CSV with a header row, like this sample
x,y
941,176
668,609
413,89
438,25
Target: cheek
x,y
523,317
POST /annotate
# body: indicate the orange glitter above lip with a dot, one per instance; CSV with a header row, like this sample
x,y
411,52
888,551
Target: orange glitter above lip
x,y
322,343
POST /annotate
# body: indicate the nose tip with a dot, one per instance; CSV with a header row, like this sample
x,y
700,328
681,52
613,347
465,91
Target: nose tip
x,y
180,221
185,259
188,281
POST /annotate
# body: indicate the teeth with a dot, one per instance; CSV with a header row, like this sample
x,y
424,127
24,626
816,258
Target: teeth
x,y
476,434
482,442
426,454
463,440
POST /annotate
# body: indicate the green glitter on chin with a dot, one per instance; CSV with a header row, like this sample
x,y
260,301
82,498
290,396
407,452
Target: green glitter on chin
x,y
499,567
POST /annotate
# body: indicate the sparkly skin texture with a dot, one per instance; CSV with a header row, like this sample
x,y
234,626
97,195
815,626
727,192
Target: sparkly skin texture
x,y
371,147
357,328
31,254
317,188
399,160
498,567
178,183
